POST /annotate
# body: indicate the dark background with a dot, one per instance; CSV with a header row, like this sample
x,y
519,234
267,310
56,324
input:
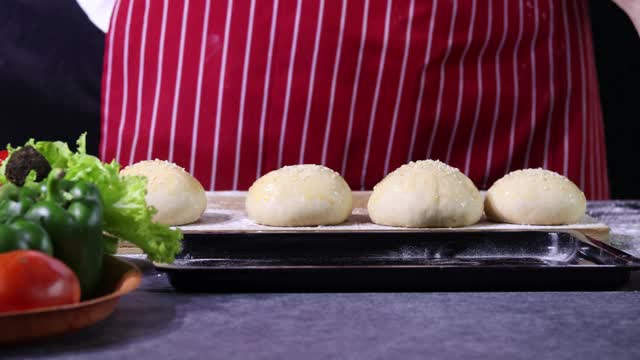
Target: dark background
x,y
617,48
40,58
50,72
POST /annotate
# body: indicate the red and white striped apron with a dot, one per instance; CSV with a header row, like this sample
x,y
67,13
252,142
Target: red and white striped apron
x,y
233,89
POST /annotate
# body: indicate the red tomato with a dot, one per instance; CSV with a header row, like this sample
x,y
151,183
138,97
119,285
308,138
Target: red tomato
x,y
31,279
3,155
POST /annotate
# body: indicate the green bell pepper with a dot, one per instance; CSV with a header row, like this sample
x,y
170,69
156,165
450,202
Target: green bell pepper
x,y
15,201
24,235
72,213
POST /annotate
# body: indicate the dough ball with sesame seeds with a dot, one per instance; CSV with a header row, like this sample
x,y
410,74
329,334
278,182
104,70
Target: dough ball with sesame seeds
x,y
535,197
425,193
178,196
299,195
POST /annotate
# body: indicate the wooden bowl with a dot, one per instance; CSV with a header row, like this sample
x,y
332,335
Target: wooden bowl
x,y
118,278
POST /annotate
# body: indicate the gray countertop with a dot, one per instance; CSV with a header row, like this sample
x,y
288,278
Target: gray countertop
x,y
157,323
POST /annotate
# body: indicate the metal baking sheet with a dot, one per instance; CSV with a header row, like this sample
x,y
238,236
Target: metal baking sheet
x,y
225,214
397,262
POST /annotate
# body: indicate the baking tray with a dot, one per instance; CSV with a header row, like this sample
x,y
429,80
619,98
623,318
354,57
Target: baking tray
x,y
389,261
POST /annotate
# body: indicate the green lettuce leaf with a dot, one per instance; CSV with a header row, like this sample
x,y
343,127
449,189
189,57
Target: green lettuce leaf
x,y
126,213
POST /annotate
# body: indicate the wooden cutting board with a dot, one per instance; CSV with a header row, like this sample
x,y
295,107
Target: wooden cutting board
x,y
225,214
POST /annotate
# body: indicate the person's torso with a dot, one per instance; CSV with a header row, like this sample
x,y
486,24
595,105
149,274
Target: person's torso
x,y
233,89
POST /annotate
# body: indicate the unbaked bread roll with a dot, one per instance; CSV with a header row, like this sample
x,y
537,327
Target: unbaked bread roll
x,y
535,197
299,195
425,193
178,196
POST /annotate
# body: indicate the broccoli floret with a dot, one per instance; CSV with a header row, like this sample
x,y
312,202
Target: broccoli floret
x,y
22,162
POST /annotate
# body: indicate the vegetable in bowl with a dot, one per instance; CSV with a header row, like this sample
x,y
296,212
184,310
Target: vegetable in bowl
x,y
126,214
